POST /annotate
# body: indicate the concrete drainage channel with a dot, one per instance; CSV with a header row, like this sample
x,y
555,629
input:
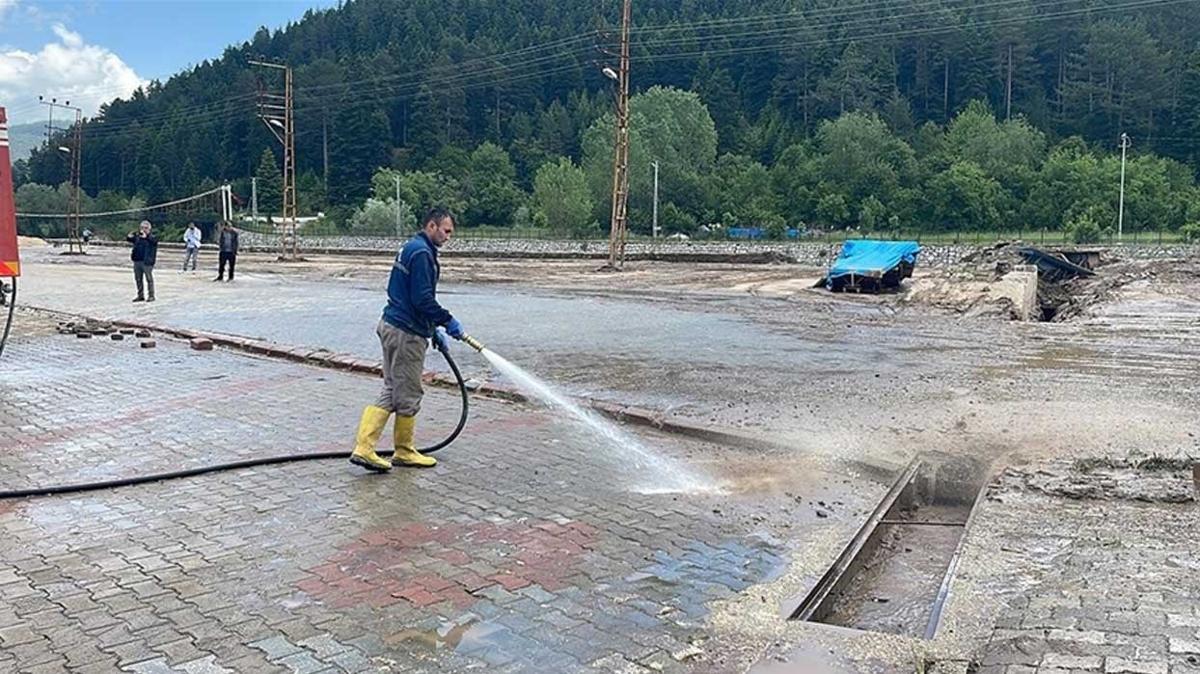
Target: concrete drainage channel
x,y
894,574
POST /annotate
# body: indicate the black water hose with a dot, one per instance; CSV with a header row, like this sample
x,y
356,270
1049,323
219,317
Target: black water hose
x,y
236,465
12,304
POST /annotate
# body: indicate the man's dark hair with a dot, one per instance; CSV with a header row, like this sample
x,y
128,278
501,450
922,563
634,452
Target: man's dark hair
x,y
435,215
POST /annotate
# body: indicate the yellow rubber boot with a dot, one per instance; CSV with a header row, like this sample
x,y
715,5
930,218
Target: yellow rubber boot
x,y
406,453
370,427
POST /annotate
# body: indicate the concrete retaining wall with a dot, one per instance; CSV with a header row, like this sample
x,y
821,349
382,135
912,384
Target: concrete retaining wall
x,y
808,254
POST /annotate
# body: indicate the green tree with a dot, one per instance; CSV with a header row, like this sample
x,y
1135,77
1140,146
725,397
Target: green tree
x,y
667,125
860,157
1068,183
491,191
743,188
674,220
561,196
872,214
795,176
832,210
1085,227
964,197
384,217
35,198
269,184
422,189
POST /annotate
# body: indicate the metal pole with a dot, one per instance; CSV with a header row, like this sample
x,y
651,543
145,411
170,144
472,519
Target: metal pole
x,y
1121,207
654,226
398,232
254,200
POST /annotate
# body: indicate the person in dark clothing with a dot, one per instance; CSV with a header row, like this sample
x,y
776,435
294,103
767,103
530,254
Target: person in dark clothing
x,y
410,319
144,255
227,240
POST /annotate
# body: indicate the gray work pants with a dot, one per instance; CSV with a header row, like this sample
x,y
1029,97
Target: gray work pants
x,y
190,254
141,270
403,365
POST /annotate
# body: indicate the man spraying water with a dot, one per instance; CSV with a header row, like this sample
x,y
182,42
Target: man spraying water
x,y
410,319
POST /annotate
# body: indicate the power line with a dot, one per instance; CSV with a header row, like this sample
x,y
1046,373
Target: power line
x,y
870,17
1136,4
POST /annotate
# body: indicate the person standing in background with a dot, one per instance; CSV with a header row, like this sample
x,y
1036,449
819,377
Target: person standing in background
x,y
144,255
191,243
227,240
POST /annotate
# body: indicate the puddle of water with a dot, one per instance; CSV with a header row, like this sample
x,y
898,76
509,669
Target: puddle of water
x,y
656,474
467,635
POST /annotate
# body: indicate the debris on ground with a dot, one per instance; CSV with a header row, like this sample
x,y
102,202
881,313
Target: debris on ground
x,y
1072,281
1056,266
86,328
1151,480
201,344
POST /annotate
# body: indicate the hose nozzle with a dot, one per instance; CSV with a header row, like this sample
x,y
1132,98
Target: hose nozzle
x,y
472,342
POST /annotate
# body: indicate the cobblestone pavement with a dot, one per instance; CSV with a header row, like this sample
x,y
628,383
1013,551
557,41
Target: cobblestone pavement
x,y
522,551
1102,586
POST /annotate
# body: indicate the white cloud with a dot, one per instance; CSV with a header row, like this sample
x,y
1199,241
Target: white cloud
x,y
68,69
70,39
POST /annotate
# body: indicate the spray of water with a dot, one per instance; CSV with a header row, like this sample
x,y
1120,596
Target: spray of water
x,y
659,474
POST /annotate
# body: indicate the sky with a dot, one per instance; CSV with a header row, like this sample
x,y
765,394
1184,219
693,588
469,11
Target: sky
x,y
91,51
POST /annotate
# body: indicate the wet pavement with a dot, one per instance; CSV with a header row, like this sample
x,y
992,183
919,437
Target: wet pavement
x,y
556,566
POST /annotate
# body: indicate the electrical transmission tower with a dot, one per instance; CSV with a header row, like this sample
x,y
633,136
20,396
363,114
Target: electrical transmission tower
x,y
275,110
619,223
75,150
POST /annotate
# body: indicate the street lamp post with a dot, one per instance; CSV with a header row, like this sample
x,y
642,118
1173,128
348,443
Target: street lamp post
x,y
1125,143
654,216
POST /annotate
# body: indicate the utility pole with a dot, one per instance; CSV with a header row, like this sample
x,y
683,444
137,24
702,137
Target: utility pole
x,y
620,190
1008,86
1125,143
74,246
654,217
325,149
399,233
254,200
275,111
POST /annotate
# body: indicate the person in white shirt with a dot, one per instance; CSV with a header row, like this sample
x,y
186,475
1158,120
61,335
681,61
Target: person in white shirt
x,y
191,242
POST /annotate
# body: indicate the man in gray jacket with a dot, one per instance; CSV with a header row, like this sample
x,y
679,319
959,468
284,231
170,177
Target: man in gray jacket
x,y
227,240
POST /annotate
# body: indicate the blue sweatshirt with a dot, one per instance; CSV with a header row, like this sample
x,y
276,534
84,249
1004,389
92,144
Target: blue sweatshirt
x,y
412,289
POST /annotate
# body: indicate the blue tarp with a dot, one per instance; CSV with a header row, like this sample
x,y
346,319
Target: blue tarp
x,y
872,258
756,233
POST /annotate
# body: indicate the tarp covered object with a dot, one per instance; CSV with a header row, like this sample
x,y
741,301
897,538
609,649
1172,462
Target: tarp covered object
x,y
10,263
872,259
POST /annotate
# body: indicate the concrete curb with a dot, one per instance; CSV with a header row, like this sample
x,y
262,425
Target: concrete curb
x,y
319,357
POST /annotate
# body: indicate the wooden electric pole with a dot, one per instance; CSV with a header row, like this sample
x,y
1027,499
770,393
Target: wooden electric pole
x,y
620,190
74,245
275,111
